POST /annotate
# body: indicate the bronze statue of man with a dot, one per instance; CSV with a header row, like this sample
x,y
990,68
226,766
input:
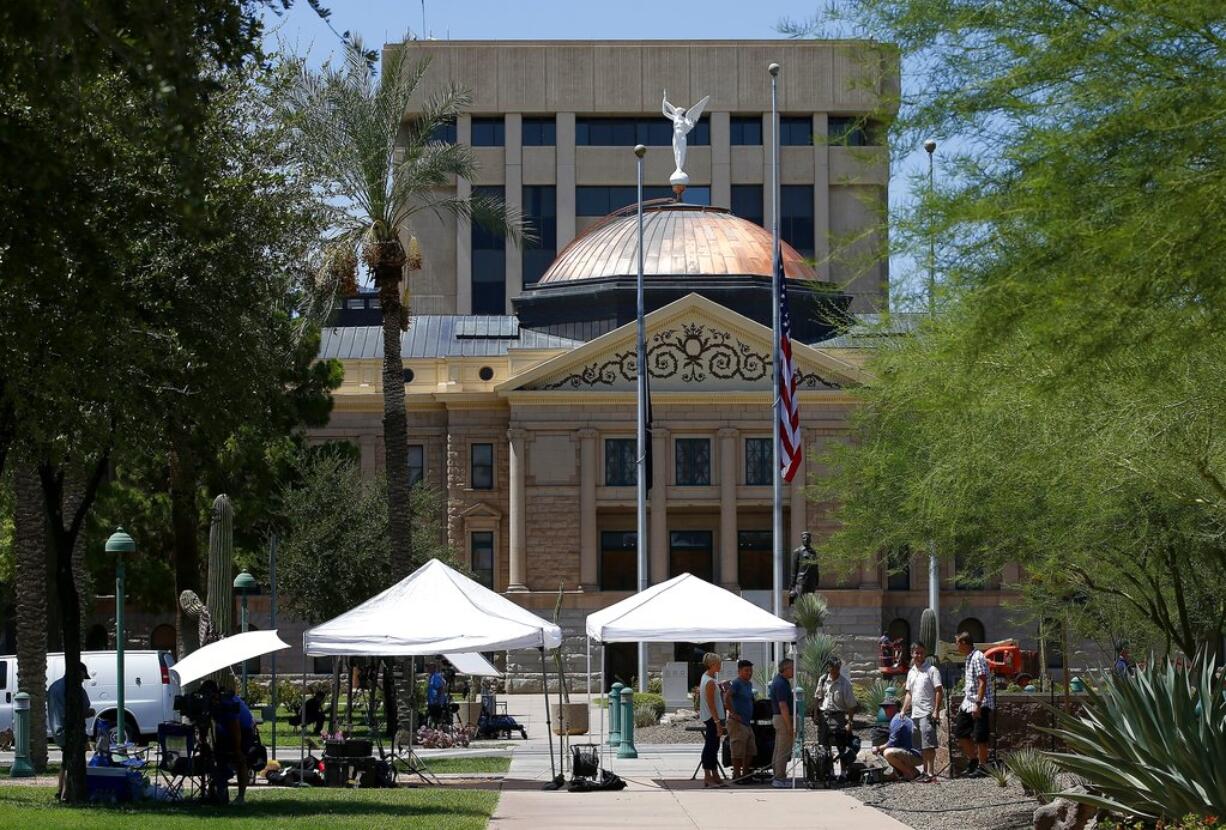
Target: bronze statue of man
x,y
804,568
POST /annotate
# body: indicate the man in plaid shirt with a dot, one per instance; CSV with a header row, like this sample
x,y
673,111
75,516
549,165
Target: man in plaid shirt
x,y
975,714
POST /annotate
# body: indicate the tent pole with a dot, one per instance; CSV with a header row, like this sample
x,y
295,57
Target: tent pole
x,y
589,685
553,767
302,727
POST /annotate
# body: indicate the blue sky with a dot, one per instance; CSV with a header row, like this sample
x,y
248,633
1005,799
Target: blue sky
x,y
381,21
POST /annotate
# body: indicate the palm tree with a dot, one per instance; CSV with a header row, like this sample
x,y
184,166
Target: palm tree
x,y
381,167
31,588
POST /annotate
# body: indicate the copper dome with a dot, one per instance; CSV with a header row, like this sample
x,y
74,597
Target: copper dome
x,y
678,240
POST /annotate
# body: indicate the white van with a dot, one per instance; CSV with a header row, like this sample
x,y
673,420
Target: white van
x,y
149,692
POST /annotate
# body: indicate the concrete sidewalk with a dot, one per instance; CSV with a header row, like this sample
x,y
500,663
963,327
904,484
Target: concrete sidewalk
x,y
659,791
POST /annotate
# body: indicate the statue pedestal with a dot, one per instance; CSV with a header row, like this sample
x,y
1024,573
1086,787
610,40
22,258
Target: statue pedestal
x,y
679,178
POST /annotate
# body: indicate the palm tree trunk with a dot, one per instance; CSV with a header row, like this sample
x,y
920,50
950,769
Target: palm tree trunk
x,y
30,561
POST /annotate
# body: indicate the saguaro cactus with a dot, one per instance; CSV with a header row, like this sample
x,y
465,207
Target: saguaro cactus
x,y
221,566
928,631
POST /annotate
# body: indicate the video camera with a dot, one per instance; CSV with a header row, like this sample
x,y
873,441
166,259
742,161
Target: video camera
x,y
196,706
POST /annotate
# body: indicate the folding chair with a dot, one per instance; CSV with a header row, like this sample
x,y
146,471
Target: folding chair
x,y
177,743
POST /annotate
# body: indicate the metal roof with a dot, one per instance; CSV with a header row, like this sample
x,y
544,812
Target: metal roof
x,y
440,335
872,330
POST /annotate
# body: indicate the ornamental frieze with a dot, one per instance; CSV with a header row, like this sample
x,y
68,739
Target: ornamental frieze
x,y
692,353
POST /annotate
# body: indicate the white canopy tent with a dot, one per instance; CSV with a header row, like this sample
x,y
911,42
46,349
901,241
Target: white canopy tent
x,y
687,609
434,610
472,664
684,609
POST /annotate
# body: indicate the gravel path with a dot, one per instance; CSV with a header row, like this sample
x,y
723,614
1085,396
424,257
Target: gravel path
x,y
996,808
674,733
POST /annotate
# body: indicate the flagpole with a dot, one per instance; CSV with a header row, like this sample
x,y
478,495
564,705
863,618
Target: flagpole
x,y
777,542
641,442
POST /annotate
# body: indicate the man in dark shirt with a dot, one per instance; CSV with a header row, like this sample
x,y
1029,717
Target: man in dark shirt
x,y
314,712
781,709
234,731
739,705
57,705
899,749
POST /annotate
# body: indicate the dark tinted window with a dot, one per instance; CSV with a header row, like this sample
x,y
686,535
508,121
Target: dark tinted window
x,y
693,461
482,557
541,210
599,200
417,464
747,202
618,560
653,131
483,466
690,552
758,461
754,561
619,462
489,263
852,132
539,131
488,132
746,129
795,130
796,217
444,132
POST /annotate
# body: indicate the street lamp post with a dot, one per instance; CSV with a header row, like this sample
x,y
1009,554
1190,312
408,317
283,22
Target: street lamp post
x,y
934,571
120,544
245,585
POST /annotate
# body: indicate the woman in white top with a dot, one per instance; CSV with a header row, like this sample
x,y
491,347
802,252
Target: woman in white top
x,y
711,713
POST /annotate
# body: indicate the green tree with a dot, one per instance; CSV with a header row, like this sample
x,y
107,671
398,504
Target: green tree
x,y
383,172
1064,412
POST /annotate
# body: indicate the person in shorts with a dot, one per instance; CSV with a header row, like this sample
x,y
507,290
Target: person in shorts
x,y
974,725
739,705
923,703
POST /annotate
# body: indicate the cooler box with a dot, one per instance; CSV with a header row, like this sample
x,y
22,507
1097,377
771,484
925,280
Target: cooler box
x,y
107,784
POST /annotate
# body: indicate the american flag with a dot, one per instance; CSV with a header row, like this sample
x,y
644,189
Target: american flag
x,y
789,412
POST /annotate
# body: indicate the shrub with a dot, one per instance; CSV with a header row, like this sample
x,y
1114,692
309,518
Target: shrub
x,y
814,653
650,699
1151,745
655,685
1000,774
871,695
645,715
810,612
1035,772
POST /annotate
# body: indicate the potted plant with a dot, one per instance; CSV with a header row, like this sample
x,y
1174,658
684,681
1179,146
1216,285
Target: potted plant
x,y
568,718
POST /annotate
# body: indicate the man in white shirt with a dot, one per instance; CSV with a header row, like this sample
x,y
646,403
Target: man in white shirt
x,y
923,703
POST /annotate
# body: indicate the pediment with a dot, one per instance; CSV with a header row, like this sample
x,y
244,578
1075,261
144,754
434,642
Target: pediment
x,y
481,510
692,342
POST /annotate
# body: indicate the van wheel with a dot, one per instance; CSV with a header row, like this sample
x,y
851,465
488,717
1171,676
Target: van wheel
x,y
131,730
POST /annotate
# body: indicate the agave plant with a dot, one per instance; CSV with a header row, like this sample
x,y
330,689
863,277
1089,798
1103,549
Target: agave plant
x,y
645,715
810,612
871,696
1000,774
1036,772
1151,745
811,661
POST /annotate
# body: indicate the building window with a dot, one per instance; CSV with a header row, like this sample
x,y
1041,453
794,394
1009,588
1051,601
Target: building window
x,y
620,469
898,565
541,210
618,560
444,132
482,556
852,132
693,462
796,130
482,467
796,217
540,131
690,551
747,203
746,130
489,263
698,194
759,460
488,132
601,200
356,304
973,627
653,131
755,565
417,464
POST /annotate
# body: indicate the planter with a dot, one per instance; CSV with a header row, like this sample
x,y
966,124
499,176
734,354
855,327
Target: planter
x,y
569,718
468,712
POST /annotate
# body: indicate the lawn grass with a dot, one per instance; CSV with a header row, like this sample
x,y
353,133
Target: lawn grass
x,y
33,808
477,764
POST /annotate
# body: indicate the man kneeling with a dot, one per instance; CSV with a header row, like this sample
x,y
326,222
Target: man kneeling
x,y
898,750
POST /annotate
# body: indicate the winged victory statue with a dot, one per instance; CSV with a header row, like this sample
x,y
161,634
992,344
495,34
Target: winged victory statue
x,y
683,121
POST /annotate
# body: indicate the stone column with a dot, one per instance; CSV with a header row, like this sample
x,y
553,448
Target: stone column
x,y
821,196
513,195
565,150
519,563
657,548
588,551
728,571
721,159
